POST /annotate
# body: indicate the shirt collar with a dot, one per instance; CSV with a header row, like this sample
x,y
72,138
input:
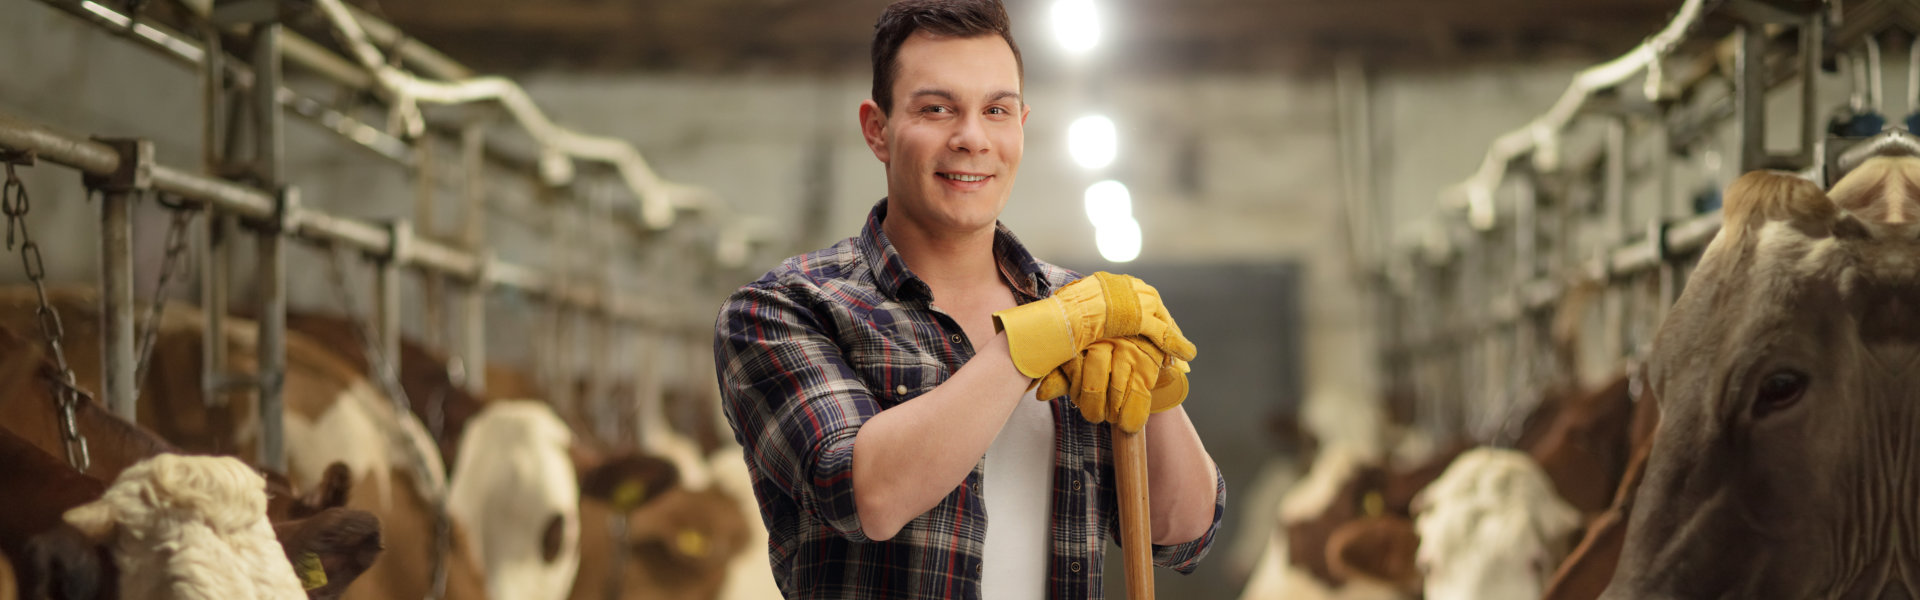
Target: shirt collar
x,y
890,272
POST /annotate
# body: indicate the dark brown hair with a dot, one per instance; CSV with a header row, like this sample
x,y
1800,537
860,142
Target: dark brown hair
x,y
956,18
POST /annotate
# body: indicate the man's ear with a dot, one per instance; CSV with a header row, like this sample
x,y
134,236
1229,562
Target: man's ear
x,y
1025,109
873,127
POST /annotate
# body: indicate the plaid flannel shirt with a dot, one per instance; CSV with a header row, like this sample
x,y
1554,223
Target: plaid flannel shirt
x,y
828,340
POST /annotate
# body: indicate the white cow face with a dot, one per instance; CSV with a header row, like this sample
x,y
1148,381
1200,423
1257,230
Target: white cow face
x,y
1491,528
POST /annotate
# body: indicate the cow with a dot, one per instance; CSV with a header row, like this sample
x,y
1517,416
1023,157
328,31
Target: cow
x,y
341,543
332,545
189,527
333,413
1492,527
517,479
1783,466
570,547
441,403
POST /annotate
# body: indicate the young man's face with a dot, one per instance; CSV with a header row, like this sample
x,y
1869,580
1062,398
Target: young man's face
x,y
952,142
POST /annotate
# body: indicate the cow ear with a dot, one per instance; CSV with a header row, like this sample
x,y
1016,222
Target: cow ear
x,y
628,482
1760,197
331,549
94,520
335,484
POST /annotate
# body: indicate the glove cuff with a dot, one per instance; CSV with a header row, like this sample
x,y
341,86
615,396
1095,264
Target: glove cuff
x,y
1039,336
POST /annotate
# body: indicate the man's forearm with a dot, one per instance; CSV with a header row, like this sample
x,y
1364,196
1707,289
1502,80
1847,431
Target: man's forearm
x,y
1180,483
909,457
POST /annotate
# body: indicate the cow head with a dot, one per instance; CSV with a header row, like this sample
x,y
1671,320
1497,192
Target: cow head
x,y
1784,465
1491,528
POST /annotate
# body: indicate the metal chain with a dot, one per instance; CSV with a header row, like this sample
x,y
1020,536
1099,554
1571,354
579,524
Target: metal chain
x,y
13,199
389,379
183,215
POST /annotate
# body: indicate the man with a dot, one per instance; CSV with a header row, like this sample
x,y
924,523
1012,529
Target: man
x,y
881,404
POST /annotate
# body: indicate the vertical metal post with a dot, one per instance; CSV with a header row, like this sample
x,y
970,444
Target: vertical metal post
x,y
1811,48
473,337
211,247
133,174
1614,319
215,250
271,268
1750,93
387,291
116,302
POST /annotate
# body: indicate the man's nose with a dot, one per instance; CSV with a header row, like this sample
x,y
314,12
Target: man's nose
x,y
970,136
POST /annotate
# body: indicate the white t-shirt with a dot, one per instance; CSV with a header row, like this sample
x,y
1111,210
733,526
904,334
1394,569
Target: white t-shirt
x,y
1019,493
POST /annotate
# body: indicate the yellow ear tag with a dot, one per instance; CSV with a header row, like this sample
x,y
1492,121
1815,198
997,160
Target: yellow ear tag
x,y
313,576
629,495
1373,504
691,543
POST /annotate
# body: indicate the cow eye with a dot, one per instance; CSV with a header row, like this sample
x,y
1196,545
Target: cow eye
x,y
1778,391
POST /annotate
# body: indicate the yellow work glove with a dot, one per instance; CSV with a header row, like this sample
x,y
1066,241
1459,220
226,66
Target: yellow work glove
x,y
1045,334
1119,380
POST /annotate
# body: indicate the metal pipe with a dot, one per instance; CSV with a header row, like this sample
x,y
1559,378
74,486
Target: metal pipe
x,y
269,150
387,309
116,303
473,220
1812,46
1750,88
271,351
658,197
1614,186
1876,92
1913,76
214,254
231,200
473,338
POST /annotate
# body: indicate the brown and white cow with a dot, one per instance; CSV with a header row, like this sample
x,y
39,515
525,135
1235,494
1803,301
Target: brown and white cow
x,y
313,528
333,414
1784,465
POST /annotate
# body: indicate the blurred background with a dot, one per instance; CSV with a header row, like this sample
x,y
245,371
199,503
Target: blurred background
x,y
1289,173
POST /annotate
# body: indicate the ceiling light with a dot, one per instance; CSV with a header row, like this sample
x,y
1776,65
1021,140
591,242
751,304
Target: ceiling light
x,y
1077,25
1118,242
1108,202
1092,141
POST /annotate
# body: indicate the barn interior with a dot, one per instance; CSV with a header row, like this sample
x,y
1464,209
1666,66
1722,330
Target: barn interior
x,y
1392,227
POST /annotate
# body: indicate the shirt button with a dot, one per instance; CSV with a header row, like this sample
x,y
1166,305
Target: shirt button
x,y
900,389
956,338
979,568
1076,485
1075,567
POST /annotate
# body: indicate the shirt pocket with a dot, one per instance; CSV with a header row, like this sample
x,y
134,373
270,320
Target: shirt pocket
x,y
895,381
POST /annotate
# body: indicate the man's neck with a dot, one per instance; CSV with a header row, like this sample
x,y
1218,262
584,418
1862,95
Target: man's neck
x,y
945,261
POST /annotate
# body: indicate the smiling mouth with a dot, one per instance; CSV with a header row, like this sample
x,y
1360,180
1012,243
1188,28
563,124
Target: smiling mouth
x,y
965,178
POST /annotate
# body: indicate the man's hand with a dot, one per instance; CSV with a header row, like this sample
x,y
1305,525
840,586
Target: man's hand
x,y
1119,380
1045,334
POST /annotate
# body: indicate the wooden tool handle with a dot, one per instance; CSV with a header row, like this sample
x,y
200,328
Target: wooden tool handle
x,y
1136,521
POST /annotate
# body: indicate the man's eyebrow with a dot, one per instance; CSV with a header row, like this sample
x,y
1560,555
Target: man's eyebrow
x,y
942,94
950,97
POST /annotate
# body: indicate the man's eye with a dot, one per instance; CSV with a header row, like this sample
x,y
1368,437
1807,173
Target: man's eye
x,y
934,109
997,111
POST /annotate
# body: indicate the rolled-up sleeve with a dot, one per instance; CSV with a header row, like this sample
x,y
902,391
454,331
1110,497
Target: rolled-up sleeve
x,y
794,402
1183,558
